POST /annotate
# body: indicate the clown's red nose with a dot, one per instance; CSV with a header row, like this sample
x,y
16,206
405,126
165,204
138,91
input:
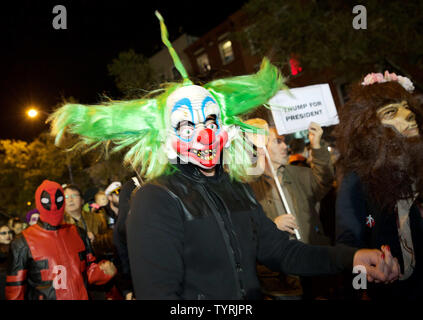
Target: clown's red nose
x,y
206,137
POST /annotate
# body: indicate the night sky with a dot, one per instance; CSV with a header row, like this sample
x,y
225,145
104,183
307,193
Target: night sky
x,y
40,65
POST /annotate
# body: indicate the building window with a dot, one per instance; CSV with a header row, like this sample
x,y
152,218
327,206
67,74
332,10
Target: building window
x,y
203,62
226,52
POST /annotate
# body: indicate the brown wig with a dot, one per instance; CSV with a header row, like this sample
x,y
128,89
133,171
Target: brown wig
x,y
386,162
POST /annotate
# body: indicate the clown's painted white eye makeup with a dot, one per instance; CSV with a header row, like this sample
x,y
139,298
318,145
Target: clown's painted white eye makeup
x,y
186,132
211,123
185,129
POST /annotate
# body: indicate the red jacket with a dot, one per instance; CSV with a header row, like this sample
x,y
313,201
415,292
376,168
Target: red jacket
x,y
52,263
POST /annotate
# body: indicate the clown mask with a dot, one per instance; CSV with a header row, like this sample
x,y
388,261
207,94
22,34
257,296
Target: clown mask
x,y
50,200
197,135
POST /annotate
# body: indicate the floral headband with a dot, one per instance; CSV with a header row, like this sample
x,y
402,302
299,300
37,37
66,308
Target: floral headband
x,y
372,78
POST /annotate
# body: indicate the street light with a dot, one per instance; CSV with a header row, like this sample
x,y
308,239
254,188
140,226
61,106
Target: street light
x,y
32,113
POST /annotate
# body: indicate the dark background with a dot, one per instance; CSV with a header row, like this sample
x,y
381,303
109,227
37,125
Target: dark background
x,y
40,65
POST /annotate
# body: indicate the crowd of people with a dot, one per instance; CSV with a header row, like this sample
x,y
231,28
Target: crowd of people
x,y
102,212
94,214
203,225
306,173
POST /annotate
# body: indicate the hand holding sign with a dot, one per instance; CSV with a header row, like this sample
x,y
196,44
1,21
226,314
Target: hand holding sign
x,y
315,133
286,222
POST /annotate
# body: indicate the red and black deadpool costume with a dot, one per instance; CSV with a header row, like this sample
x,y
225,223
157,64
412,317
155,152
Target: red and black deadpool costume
x,y
50,260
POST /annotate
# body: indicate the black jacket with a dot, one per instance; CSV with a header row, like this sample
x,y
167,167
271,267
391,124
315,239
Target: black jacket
x,y
353,206
124,281
197,237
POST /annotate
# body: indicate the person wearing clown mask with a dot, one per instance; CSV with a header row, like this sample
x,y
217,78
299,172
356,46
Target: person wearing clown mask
x,y
195,229
50,260
380,175
197,135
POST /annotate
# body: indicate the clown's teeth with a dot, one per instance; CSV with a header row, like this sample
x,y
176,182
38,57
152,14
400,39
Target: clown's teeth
x,y
206,155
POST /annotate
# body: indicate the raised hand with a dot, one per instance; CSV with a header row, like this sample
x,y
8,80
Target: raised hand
x,y
315,133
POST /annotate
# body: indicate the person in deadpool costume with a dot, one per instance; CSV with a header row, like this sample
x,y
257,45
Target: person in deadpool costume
x,y
50,260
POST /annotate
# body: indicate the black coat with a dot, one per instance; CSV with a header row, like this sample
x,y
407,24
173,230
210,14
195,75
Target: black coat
x,y
197,237
124,281
353,207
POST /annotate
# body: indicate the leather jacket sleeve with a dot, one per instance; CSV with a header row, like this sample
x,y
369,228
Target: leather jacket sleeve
x,y
94,273
16,280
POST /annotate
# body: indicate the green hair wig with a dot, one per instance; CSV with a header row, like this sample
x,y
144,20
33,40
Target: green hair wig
x,y
142,126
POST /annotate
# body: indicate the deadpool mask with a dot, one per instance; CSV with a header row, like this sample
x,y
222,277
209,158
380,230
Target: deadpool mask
x,y
50,202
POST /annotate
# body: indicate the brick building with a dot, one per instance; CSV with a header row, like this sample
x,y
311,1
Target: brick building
x,y
219,54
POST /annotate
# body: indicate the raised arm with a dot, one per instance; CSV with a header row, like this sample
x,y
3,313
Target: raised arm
x,y
320,178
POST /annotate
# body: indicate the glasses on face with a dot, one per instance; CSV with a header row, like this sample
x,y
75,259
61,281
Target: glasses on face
x,y
3,233
72,196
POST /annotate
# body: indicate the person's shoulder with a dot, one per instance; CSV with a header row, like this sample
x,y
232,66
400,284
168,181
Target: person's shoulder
x,y
294,171
65,225
18,243
351,178
72,228
67,219
154,198
68,227
152,190
351,184
30,232
130,185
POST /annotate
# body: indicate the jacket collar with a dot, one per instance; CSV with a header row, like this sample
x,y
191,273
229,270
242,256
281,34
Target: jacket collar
x,y
192,172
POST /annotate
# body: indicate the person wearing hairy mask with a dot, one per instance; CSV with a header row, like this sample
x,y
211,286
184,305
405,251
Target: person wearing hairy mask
x,y
381,178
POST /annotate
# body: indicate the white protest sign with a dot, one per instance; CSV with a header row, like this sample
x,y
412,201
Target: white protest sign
x,y
294,113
